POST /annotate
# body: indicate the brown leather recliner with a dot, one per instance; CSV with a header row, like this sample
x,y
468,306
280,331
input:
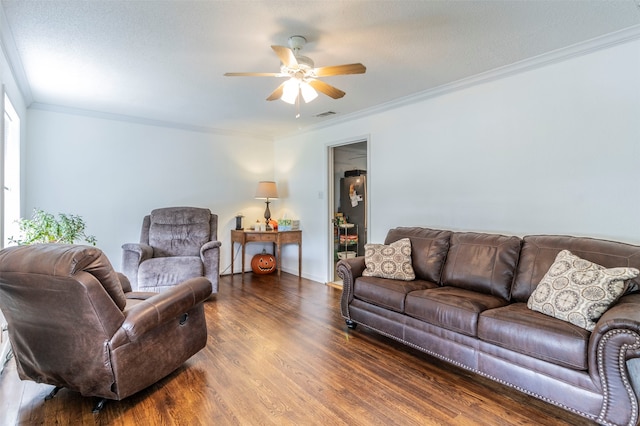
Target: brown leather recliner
x,y
74,322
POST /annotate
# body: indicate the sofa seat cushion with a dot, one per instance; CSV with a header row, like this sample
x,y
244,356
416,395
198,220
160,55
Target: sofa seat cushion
x,y
518,328
387,293
156,273
452,308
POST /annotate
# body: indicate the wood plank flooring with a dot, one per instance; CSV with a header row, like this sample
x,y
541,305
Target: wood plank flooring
x,y
279,353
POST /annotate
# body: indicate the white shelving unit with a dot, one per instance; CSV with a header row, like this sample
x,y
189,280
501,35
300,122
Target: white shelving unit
x,y
347,244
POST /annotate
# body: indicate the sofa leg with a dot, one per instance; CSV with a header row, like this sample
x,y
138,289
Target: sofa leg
x,y
99,406
351,324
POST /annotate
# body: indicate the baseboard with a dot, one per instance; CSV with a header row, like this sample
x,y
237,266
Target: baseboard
x,y
335,284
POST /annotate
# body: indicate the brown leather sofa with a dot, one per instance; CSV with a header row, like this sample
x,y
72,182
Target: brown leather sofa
x,y
468,306
74,322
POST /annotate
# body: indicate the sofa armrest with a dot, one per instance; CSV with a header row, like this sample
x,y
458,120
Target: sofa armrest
x,y
624,315
210,255
349,270
614,342
166,306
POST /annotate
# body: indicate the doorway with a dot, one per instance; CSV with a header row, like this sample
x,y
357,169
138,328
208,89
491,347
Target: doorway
x,y
348,203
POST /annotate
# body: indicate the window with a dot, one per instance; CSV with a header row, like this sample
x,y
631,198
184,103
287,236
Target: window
x,y
10,172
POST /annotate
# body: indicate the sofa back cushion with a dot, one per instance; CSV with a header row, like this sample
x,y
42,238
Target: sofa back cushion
x,y
485,263
540,251
428,250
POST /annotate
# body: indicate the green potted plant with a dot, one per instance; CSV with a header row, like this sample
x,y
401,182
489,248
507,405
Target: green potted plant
x,y
46,228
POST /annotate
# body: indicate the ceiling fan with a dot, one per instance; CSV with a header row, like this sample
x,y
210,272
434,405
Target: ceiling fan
x,y
302,74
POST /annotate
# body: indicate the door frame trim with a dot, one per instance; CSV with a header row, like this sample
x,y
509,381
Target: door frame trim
x,y
329,202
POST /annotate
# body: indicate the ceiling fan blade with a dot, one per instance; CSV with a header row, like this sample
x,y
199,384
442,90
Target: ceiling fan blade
x,y
325,88
253,74
276,94
340,70
286,56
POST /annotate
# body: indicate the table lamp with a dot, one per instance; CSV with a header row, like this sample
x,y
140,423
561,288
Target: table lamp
x,y
267,190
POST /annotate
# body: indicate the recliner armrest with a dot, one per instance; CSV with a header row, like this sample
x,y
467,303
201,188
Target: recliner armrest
x,y
209,245
132,255
166,306
210,256
144,251
124,282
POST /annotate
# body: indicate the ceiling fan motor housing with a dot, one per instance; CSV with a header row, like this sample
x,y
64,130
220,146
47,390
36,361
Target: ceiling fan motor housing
x,y
304,62
297,42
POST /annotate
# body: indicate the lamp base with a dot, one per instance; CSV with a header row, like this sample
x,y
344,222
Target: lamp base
x,y
267,217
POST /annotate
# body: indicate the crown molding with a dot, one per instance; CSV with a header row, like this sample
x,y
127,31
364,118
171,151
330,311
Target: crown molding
x,y
627,35
144,121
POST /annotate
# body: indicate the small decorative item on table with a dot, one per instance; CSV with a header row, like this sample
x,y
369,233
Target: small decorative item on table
x,y
284,224
288,225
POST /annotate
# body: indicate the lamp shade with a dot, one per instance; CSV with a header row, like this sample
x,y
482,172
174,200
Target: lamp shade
x,y
266,190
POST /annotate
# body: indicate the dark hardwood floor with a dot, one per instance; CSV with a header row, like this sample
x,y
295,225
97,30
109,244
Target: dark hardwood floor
x,y
279,353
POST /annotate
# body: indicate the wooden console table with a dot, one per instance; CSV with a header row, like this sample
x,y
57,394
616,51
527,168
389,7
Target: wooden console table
x,y
276,237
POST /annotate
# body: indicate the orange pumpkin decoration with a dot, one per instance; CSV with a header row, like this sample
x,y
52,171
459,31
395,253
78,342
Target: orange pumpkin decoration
x,y
263,263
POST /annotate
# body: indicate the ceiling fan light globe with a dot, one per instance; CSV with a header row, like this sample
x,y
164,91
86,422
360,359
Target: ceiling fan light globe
x,y
308,92
290,91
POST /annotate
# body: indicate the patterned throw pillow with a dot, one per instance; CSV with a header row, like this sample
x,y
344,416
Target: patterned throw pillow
x,y
578,291
392,261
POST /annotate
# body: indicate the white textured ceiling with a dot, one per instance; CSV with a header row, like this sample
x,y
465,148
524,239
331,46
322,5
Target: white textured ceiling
x,y
164,60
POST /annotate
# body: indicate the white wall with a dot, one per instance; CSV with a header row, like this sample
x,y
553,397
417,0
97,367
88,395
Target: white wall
x,y
551,150
112,173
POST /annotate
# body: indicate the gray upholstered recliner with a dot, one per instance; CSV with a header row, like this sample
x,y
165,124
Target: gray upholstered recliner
x,y
74,322
176,243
